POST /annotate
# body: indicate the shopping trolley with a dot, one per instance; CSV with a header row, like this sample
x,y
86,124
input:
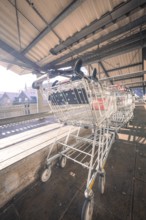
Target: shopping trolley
x,y
82,104
125,107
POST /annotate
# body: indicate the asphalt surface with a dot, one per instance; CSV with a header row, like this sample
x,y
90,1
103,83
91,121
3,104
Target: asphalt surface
x,y
19,127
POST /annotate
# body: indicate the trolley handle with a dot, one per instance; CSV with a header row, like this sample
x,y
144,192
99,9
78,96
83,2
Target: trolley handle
x,y
77,69
81,75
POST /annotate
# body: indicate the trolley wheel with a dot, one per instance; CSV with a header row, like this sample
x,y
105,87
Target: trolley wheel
x,y
116,136
46,175
126,125
101,183
87,210
130,121
62,161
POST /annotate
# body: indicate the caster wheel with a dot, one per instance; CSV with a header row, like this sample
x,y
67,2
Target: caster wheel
x,y
116,136
101,183
126,125
46,175
87,210
62,161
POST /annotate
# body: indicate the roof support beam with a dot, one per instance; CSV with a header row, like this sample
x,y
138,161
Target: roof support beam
x,y
133,84
124,67
102,39
125,76
135,87
18,24
39,14
18,55
128,77
15,62
118,51
105,71
54,23
122,46
96,25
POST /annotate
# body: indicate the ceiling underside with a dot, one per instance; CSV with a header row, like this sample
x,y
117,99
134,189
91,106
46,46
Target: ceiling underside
x,y
38,36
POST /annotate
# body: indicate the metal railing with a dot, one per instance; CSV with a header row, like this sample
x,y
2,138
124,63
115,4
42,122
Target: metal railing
x,y
20,110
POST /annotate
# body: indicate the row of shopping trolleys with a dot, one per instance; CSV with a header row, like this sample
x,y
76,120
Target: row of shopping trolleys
x,y
94,118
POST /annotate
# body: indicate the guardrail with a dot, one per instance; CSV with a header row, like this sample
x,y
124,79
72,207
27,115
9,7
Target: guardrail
x,y
20,110
5,121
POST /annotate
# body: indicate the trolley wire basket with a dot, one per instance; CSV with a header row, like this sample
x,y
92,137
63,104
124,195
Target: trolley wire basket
x,y
125,106
81,103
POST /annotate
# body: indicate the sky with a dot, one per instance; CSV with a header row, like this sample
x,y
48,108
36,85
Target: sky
x,y
12,82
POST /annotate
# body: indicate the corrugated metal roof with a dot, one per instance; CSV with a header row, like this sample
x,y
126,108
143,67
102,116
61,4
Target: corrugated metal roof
x,y
126,71
124,59
50,9
34,16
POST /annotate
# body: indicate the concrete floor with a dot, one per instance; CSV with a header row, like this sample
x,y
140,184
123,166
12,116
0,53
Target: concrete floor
x,y
61,198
